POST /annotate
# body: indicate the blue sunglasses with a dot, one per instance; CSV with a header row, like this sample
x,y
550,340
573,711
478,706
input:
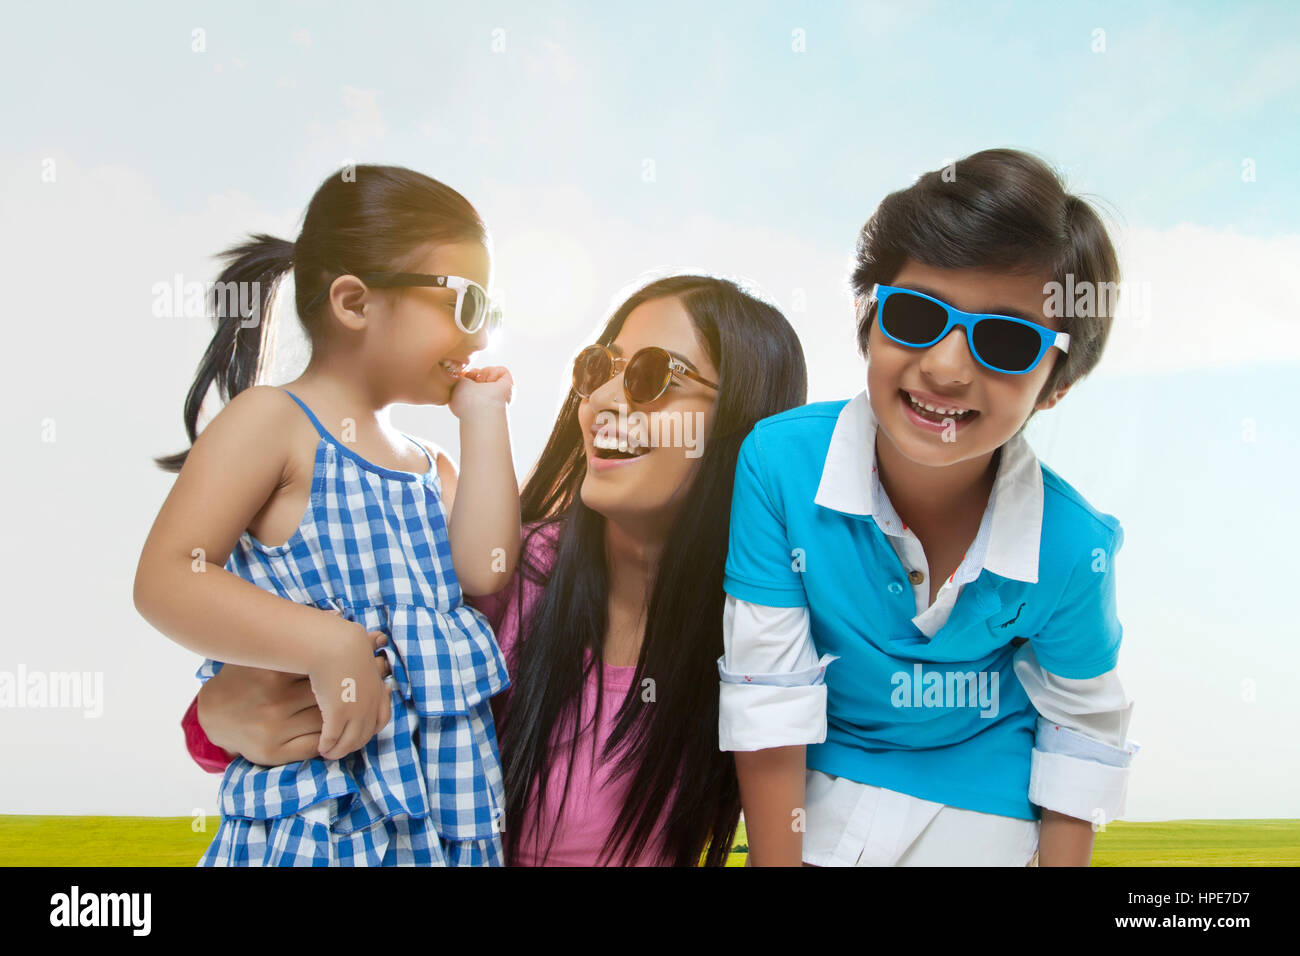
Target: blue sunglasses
x,y
1001,343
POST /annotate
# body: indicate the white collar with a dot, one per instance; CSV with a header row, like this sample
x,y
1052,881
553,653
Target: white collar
x,y
1013,521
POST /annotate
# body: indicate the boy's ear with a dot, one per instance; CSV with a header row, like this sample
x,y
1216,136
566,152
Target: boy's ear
x,y
1052,399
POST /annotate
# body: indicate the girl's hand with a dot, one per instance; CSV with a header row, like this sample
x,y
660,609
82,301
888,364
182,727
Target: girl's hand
x,y
267,717
354,702
481,388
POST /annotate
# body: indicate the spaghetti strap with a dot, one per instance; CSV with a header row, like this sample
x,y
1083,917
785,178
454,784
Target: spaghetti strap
x,y
420,445
301,404
345,450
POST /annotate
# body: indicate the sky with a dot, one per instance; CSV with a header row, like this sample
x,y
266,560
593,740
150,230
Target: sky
x,y
604,144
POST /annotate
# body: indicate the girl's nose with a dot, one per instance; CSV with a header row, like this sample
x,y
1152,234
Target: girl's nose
x,y
479,340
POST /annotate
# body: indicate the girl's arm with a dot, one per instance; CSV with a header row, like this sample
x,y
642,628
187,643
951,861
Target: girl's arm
x,y
483,505
183,590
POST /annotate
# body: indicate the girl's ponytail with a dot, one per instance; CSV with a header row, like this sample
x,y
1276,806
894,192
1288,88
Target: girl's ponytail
x,y
241,300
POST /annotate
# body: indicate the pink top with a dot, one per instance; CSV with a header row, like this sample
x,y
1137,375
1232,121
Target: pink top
x,y
593,802
594,799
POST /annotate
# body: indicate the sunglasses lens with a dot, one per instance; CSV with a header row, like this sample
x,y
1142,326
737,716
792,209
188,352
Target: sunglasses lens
x,y
912,319
646,376
591,370
473,309
1008,346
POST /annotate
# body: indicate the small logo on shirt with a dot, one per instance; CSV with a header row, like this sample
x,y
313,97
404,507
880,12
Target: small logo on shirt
x,y
1014,619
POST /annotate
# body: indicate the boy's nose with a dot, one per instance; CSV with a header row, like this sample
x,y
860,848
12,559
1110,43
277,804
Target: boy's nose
x,y
949,359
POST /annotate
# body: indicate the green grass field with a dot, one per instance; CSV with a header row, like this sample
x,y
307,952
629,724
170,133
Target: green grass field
x,y
172,841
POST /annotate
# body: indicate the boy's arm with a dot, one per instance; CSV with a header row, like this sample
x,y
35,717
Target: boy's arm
x,y
771,794
772,703
772,698
483,501
1064,840
1080,762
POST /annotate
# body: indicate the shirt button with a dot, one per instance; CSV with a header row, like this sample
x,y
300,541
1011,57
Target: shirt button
x,y
916,577
895,587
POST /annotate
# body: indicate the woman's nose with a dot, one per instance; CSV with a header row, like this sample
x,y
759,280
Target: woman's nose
x,y
610,395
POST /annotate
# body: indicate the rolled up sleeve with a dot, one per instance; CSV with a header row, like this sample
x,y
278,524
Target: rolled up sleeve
x,y
773,691
1082,754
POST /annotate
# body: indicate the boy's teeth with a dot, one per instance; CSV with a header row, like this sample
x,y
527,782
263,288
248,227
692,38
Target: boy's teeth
x,y
936,410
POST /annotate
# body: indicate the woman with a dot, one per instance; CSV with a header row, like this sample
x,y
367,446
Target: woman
x,y
626,518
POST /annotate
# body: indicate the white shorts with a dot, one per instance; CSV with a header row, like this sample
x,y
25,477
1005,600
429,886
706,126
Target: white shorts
x,y
857,824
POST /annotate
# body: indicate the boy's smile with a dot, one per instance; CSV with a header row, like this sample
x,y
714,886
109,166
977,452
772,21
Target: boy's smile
x,y
938,406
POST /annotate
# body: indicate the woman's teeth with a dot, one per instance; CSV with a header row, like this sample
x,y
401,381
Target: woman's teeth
x,y
452,368
609,446
938,412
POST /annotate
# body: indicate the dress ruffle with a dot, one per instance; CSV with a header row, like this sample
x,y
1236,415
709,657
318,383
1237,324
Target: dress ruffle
x,y
445,667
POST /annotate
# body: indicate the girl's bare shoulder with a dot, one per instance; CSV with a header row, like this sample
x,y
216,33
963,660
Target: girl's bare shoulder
x,y
262,430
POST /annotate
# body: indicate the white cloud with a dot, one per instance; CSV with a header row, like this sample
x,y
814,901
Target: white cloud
x,y
1217,298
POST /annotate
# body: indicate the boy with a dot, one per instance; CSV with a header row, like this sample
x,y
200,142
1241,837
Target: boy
x,y
920,628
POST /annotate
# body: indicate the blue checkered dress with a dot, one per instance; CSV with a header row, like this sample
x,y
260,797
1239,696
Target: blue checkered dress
x,y
427,790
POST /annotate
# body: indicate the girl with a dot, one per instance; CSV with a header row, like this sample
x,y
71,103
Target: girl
x,y
918,612
330,525
613,622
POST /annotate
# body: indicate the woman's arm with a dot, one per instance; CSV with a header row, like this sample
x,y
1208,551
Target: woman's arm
x,y
266,717
484,523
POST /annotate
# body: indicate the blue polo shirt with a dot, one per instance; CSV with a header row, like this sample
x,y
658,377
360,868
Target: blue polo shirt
x,y
942,718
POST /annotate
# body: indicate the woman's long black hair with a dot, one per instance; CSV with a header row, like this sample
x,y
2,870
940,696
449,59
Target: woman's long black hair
x,y
666,734
361,219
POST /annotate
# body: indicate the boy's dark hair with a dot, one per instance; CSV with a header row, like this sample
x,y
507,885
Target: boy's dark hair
x,y
995,209
361,219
